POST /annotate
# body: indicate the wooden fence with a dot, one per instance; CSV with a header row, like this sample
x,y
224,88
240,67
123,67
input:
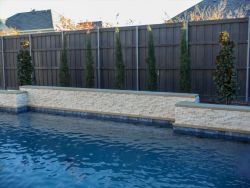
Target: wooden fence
x,y
203,48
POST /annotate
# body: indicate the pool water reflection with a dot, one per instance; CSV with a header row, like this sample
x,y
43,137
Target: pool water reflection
x,y
40,150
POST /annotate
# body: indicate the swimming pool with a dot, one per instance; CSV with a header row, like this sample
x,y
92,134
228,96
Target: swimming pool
x,y
40,150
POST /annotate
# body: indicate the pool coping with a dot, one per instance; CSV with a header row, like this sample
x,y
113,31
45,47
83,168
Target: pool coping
x,y
151,93
187,104
12,92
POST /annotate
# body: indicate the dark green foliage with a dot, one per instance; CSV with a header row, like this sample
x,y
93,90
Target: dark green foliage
x,y
225,75
119,65
185,76
24,67
151,61
90,79
64,75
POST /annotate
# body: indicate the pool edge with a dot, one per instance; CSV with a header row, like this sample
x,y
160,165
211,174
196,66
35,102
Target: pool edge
x,y
177,129
103,116
211,133
16,110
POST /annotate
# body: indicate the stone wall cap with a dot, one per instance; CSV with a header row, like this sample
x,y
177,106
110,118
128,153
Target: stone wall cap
x,y
12,92
170,94
213,106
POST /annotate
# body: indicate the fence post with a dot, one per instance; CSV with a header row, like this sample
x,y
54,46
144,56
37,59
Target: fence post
x,y
137,57
3,63
98,59
62,46
187,33
248,59
30,51
62,38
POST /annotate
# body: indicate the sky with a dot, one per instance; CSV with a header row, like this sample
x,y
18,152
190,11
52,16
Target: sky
x,y
139,11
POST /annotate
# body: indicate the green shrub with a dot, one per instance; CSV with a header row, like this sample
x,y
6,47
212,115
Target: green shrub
x,y
64,75
119,65
90,78
151,61
225,75
24,66
185,76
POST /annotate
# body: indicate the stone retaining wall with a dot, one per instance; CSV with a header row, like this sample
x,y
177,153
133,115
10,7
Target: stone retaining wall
x,y
152,105
183,110
12,100
234,119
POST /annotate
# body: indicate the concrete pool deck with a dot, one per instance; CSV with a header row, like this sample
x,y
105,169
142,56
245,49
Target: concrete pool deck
x,y
182,111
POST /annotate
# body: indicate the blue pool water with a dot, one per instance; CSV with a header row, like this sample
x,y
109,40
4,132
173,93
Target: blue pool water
x,y
38,150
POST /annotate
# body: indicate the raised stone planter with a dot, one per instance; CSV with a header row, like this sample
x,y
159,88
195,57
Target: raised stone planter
x,y
13,101
133,104
212,120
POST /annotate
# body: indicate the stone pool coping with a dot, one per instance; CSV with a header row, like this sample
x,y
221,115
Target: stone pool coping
x,y
213,106
152,93
12,92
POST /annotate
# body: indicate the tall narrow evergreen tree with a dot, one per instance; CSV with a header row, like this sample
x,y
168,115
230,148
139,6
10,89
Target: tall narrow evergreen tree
x,y
24,66
151,61
225,75
119,65
64,76
185,76
90,79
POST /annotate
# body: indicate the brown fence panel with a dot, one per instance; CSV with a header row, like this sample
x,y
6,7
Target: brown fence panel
x,y
107,55
128,42
11,48
203,48
46,50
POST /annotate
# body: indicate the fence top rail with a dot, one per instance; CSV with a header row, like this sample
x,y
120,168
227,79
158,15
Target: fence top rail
x,y
16,37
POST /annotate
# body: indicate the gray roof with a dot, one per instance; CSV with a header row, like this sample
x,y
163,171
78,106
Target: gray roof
x,y
97,24
229,7
33,20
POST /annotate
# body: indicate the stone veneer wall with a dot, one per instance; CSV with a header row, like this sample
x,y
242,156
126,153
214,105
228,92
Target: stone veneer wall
x,y
152,105
213,117
13,99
